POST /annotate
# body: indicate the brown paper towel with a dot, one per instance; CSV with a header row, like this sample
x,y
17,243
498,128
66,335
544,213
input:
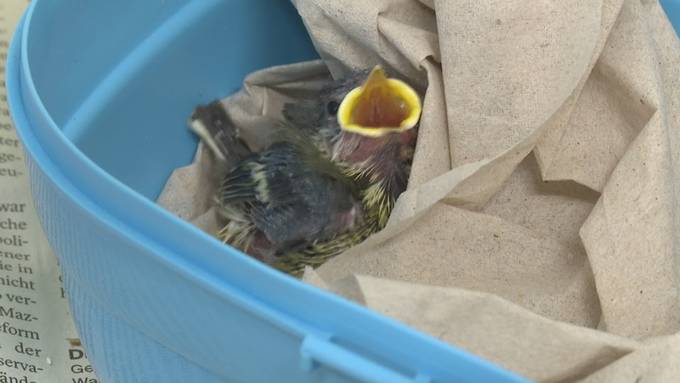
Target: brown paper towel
x,y
495,329
513,255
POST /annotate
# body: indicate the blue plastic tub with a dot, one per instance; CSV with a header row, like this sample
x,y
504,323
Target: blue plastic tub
x,y
100,92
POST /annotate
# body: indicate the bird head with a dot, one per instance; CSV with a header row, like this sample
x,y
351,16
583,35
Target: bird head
x,y
379,106
365,102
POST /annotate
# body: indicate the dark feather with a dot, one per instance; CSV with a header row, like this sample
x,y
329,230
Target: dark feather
x,y
212,123
294,193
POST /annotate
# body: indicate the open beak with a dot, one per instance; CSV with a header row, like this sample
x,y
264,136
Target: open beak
x,y
379,106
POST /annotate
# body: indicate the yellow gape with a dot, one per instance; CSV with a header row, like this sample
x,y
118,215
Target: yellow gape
x,y
380,106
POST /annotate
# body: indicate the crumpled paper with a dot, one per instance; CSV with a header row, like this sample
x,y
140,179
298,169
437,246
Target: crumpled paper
x,y
539,228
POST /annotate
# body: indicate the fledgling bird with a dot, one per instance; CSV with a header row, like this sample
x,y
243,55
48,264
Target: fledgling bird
x,y
280,199
367,125
357,134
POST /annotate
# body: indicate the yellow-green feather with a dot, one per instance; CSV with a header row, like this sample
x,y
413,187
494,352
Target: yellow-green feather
x,y
377,206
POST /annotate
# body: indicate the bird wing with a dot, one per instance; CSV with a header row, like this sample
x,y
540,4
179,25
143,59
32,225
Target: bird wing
x,y
215,128
291,194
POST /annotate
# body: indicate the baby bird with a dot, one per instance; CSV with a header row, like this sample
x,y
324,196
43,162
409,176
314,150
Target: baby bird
x,y
337,165
280,199
367,125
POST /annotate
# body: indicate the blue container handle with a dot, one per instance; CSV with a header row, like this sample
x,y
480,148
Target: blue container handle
x,y
319,352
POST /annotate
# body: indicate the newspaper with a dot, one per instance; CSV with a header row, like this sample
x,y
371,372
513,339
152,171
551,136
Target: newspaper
x,y
38,340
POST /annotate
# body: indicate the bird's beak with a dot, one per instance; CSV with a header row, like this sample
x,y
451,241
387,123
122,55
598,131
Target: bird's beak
x,y
380,106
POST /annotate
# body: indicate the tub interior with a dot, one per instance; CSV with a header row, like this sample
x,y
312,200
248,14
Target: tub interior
x,y
672,8
123,98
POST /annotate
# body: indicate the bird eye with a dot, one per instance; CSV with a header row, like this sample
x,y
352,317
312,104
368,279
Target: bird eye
x,y
332,107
